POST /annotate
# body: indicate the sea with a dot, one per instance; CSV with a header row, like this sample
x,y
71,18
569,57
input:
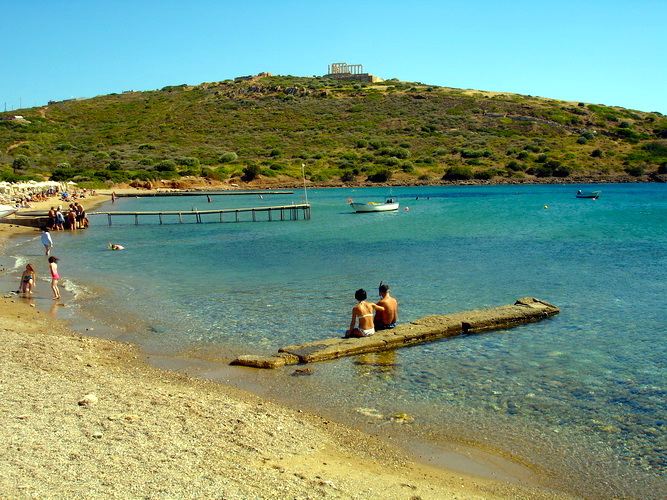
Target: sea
x,y
579,399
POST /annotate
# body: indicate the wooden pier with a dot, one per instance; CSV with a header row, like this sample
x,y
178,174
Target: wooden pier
x,y
200,193
275,213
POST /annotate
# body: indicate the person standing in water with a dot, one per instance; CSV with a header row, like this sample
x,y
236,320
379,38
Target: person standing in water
x,y
47,241
53,267
363,312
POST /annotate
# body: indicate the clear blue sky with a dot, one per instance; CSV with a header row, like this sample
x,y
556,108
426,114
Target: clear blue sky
x,y
598,51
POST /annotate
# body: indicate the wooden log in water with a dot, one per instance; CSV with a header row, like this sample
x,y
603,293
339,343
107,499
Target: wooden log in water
x,y
430,328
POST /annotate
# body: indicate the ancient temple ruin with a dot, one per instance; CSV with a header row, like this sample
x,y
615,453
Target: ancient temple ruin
x,y
344,71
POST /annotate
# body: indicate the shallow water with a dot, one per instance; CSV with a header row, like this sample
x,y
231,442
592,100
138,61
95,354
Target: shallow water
x,y
582,395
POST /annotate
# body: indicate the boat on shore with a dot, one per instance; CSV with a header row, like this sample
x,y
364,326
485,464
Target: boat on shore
x,y
6,210
593,195
388,206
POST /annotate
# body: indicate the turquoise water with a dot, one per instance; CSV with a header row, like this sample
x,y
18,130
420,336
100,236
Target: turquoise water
x,y
583,395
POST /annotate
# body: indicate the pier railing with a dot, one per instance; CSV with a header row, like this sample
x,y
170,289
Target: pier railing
x,y
253,214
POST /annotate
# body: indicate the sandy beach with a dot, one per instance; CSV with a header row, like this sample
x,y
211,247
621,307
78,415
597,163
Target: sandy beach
x,y
86,417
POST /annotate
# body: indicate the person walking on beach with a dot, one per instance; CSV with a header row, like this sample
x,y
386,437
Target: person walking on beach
x,y
363,312
28,280
47,241
388,317
53,267
113,196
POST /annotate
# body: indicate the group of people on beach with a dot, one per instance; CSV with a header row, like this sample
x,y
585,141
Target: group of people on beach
x,y
73,219
29,278
367,317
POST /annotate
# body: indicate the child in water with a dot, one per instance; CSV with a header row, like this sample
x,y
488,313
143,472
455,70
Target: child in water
x,y
53,267
28,280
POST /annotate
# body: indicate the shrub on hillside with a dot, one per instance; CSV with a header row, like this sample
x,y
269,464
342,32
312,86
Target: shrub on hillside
x,y
228,157
21,162
635,171
189,162
515,166
380,176
457,173
166,166
251,172
485,175
348,176
562,171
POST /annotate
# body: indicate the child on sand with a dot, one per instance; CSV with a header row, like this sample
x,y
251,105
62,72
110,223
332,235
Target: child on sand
x,y
28,280
53,267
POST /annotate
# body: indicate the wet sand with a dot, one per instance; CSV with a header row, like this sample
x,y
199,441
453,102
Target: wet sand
x,y
87,417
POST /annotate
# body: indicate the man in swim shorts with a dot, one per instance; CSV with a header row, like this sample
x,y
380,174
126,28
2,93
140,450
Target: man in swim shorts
x,y
387,317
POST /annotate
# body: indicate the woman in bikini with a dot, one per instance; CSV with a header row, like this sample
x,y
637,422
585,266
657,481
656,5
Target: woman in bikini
x,y
28,280
363,311
53,266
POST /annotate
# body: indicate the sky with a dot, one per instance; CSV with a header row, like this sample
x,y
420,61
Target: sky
x,y
607,52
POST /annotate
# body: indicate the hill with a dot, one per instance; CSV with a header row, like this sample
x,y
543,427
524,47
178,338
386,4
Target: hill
x,y
263,129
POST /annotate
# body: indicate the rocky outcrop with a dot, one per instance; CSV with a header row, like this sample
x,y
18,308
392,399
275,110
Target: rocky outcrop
x,y
526,310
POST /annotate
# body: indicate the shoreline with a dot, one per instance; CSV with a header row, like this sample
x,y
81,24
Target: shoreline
x,y
338,461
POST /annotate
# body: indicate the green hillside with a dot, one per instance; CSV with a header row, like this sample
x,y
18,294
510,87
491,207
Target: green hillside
x,y
345,132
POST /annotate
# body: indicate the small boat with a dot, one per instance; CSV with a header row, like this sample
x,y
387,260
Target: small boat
x,y
6,210
388,206
593,195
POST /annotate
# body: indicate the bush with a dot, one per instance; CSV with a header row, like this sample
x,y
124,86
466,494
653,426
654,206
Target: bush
x,y
380,176
485,175
348,176
562,171
635,171
475,153
251,172
21,162
582,140
166,166
597,153
544,172
457,173
662,169
228,157
66,146
515,166
189,162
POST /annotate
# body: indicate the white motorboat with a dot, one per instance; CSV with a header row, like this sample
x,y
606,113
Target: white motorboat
x,y
388,206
